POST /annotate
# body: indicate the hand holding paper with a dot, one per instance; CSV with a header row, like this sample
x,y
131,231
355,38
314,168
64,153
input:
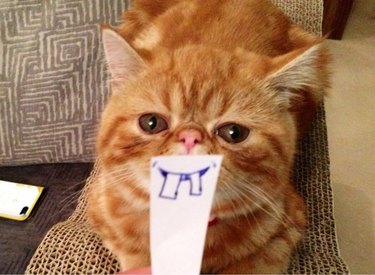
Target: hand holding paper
x,y
182,190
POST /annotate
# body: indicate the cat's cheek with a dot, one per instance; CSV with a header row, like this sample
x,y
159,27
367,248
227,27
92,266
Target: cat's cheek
x,y
221,144
175,149
199,150
139,174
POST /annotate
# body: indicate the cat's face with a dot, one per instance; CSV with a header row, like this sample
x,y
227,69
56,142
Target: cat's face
x,y
203,101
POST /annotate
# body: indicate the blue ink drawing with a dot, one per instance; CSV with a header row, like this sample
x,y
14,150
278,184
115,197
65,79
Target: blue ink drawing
x,y
173,181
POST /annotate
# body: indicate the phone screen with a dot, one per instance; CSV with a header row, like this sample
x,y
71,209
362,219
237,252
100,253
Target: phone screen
x,y
17,200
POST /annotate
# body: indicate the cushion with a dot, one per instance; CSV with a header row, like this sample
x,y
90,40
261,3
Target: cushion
x,y
53,80
63,183
72,247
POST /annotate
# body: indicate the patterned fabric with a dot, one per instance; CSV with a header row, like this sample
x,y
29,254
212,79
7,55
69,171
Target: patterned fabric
x,y
53,81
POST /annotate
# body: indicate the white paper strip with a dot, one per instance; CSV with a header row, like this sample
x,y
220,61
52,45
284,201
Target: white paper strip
x,y
182,190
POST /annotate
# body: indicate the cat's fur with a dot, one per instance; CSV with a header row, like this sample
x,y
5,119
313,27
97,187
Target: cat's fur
x,y
201,64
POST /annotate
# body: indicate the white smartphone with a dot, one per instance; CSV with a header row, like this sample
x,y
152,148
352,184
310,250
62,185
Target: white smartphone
x,y
17,199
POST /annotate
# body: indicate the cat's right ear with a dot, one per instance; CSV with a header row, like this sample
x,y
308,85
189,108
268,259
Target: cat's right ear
x,y
123,61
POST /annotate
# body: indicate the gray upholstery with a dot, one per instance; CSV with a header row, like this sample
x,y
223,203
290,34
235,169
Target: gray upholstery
x,y
53,80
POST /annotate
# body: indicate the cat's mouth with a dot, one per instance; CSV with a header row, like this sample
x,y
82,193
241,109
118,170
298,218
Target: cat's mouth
x,y
213,220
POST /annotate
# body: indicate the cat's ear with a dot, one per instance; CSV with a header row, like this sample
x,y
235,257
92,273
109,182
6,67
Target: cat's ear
x,y
302,72
123,61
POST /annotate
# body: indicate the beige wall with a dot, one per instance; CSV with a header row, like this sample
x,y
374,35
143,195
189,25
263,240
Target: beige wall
x,y
351,136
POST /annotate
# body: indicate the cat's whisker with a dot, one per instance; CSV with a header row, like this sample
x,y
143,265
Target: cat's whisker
x,y
280,215
71,195
276,211
245,202
120,172
244,183
242,186
226,191
251,210
239,195
277,208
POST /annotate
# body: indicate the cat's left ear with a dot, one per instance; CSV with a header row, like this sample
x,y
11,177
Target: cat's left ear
x,y
299,72
123,61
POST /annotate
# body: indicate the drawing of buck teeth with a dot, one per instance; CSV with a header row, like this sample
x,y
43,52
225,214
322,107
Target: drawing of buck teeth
x,y
173,180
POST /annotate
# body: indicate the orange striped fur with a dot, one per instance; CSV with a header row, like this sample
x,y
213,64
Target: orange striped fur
x,y
201,64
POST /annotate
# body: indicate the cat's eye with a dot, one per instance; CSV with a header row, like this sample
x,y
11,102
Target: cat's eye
x,y
152,123
233,133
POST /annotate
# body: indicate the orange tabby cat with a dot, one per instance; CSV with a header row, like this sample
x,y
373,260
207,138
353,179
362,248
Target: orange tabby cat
x,y
233,77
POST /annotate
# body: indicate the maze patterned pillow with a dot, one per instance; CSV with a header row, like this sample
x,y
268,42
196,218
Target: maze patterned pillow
x,y
53,81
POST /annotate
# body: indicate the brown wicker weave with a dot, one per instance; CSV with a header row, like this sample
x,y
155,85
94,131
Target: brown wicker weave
x,y
71,247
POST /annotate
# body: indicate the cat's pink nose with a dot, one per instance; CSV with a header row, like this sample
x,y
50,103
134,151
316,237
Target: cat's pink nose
x,y
190,137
